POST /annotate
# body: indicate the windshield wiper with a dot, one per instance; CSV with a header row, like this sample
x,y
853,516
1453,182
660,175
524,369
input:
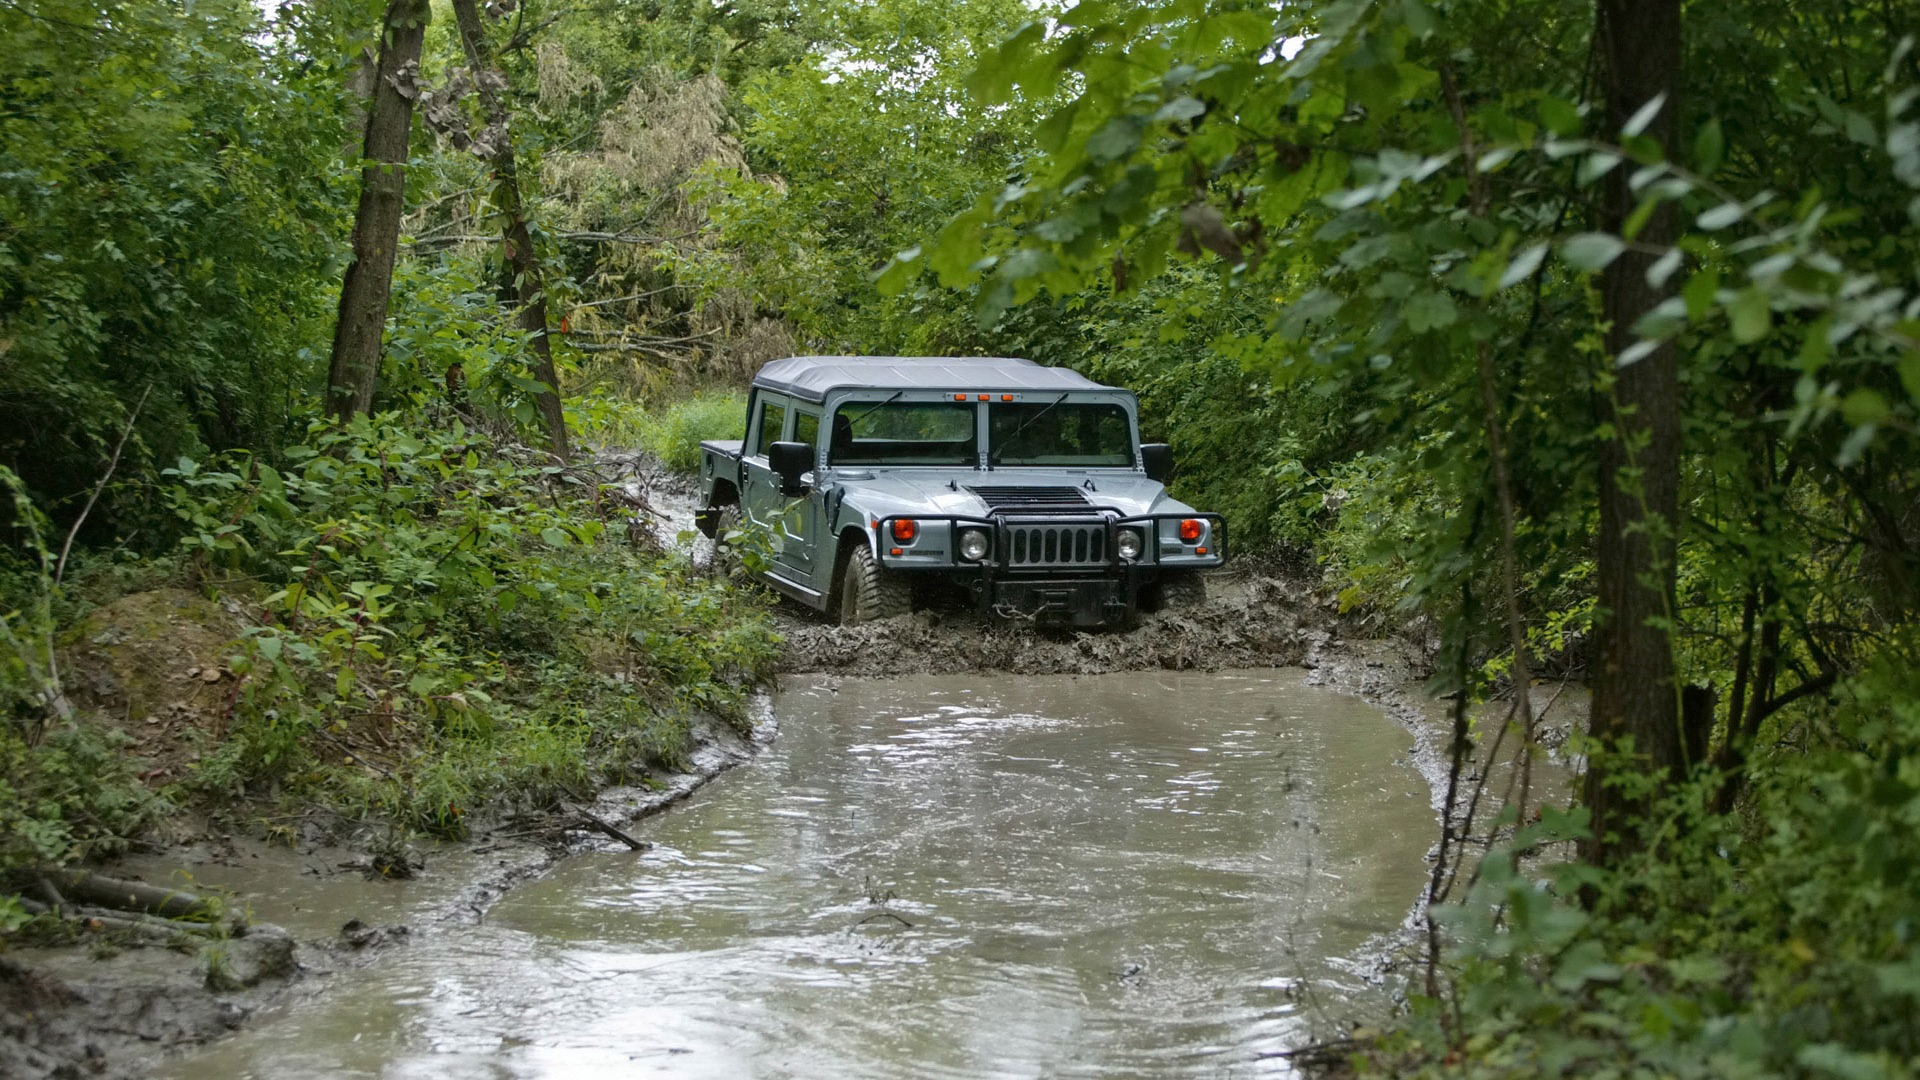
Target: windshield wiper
x,y
994,457
856,419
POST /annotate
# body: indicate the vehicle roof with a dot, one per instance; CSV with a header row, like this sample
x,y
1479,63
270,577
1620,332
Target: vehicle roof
x,y
811,377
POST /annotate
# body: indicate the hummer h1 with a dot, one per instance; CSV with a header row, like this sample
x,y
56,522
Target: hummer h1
x,y
877,478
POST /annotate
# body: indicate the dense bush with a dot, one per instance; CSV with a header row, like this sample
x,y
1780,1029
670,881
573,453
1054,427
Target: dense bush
x,y
1776,942
170,180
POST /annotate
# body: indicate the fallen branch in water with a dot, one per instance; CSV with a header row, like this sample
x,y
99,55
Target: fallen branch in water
x,y
608,828
884,915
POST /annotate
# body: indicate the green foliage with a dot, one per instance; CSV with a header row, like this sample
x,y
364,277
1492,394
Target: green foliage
x,y
65,793
446,625
1778,943
674,432
173,200
70,796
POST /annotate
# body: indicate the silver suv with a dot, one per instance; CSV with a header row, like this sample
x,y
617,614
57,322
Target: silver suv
x,y
880,479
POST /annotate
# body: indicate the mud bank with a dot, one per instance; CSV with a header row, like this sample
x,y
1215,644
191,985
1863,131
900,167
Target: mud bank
x,y
105,1007
1251,618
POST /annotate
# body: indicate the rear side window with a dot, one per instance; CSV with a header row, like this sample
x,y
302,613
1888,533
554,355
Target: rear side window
x,y
773,417
806,428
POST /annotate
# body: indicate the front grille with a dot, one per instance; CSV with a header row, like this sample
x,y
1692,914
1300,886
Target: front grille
x,y
1032,500
1057,545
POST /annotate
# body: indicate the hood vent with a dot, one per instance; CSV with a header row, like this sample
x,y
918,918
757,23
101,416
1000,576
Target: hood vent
x,y
1032,500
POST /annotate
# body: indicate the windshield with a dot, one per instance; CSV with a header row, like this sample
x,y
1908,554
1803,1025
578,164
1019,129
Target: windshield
x,y
1059,433
903,433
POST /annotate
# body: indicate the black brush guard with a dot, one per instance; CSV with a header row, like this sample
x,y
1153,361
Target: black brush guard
x,y
1092,592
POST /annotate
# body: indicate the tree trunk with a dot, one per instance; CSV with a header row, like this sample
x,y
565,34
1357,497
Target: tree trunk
x,y
376,226
520,280
1634,694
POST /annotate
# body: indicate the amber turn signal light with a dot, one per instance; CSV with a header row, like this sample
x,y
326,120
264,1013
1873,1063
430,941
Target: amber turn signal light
x,y
1190,530
905,529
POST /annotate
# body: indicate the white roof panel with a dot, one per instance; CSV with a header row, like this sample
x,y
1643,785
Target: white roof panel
x,y
811,377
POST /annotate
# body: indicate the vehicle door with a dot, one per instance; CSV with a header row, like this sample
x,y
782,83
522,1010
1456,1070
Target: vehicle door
x,y
800,523
760,498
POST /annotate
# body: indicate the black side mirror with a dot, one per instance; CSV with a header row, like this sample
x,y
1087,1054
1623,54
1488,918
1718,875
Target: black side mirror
x,y
788,461
1158,458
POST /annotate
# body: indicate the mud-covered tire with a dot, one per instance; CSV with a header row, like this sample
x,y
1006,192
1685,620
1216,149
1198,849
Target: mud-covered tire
x,y
725,559
1177,592
869,591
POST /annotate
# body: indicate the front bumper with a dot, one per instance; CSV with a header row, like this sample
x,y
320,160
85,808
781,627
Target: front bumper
x,y
1055,570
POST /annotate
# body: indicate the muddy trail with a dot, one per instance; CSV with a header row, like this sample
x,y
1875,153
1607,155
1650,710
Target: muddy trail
x,y
1258,612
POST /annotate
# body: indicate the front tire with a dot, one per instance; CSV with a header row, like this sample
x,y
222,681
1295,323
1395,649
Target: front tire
x,y
869,591
1177,591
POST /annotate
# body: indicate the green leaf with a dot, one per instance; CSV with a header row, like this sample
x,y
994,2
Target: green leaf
x,y
1598,164
555,536
1833,1059
1179,109
1430,310
1116,139
1721,216
1663,270
1865,406
1643,116
1909,366
1591,251
1709,148
1700,291
1559,115
1750,316
1523,265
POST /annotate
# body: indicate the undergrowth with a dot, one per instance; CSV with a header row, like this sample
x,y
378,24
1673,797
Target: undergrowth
x,y
436,627
1777,941
445,626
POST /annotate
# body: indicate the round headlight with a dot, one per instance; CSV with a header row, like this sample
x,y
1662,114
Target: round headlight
x,y
1128,544
973,544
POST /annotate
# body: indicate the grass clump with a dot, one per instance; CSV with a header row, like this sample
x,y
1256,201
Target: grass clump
x,y
674,433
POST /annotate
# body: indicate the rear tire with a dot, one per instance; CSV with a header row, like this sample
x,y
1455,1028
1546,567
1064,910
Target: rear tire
x,y
725,559
869,591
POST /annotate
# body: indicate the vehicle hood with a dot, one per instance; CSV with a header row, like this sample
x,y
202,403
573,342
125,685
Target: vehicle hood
x,y
881,492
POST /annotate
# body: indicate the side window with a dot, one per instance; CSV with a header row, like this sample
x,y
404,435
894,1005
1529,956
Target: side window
x,y
806,428
773,417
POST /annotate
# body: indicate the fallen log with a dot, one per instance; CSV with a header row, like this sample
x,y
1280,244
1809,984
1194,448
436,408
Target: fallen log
x,y
133,922
87,887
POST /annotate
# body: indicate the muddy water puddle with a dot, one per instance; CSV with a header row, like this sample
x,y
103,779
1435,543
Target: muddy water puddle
x,y
1114,875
